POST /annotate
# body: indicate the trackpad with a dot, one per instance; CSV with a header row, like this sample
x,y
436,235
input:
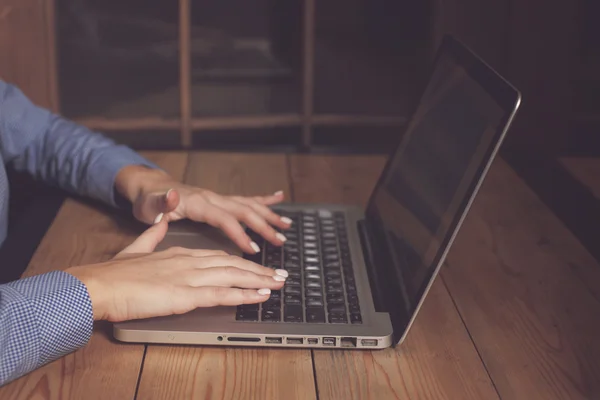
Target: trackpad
x,y
197,236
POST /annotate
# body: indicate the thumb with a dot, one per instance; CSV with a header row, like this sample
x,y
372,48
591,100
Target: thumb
x,y
148,240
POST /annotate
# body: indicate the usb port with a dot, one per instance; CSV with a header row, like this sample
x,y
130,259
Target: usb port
x,y
294,340
313,341
348,342
368,342
277,340
328,341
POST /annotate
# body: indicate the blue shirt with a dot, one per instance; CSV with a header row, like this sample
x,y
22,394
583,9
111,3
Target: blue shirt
x,y
47,316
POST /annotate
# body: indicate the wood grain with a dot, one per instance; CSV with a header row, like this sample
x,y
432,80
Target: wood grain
x,y
528,292
177,372
437,360
104,369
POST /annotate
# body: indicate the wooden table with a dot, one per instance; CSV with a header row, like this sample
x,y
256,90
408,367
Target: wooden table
x,y
514,315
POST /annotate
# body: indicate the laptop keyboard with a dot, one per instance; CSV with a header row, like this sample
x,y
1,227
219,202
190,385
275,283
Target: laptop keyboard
x,y
321,287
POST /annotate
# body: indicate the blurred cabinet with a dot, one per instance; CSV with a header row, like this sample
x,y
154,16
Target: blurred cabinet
x,y
27,49
297,72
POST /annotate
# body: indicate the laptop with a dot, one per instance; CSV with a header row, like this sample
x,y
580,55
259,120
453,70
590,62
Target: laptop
x,y
358,277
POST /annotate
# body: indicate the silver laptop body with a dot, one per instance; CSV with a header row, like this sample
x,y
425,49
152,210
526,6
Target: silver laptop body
x,y
358,277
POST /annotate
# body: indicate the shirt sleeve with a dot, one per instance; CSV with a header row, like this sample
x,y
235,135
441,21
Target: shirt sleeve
x,y
60,152
42,318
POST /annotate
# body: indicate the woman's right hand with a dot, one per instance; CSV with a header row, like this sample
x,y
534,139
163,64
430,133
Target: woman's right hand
x,y
140,284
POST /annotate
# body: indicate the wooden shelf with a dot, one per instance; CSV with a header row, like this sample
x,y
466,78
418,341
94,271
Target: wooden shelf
x,y
274,107
223,123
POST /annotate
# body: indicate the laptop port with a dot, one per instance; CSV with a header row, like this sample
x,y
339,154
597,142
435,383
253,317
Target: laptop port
x,y
273,340
328,341
348,342
313,341
243,339
294,340
368,342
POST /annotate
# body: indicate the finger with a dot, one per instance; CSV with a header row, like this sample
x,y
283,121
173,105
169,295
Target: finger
x,y
220,296
275,198
163,203
253,220
221,219
147,241
241,263
265,212
233,277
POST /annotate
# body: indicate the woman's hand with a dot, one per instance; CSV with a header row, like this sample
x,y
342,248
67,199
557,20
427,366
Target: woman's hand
x,y
140,284
154,194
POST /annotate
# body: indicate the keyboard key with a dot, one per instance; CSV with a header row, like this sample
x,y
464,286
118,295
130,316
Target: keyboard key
x,y
335,299
312,275
271,315
313,284
325,214
334,289
312,267
315,315
337,319
292,282
292,313
314,302
246,315
313,293
336,309
310,238
272,305
294,273
313,260
311,252
354,308
292,290
292,299
333,273
355,318
333,281
310,245
275,295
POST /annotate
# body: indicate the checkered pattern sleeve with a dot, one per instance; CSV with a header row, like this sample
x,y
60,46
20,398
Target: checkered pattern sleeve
x,y
42,318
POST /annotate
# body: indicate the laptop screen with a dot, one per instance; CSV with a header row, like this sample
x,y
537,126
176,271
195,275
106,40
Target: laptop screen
x,y
428,182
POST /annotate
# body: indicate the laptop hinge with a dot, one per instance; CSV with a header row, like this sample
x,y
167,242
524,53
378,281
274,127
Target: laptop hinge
x,y
377,290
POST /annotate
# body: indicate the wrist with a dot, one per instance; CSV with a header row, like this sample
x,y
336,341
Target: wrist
x,y
95,292
133,180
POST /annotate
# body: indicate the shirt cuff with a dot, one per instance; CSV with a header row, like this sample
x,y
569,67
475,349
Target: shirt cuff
x,y
61,308
106,167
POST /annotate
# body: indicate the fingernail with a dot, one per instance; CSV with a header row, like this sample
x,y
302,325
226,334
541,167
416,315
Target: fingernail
x,y
278,193
167,194
280,237
264,292
158,218
282,272
279,278
286,220
255,247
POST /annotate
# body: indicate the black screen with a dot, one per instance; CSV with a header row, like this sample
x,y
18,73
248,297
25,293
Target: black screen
x,y
427,183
